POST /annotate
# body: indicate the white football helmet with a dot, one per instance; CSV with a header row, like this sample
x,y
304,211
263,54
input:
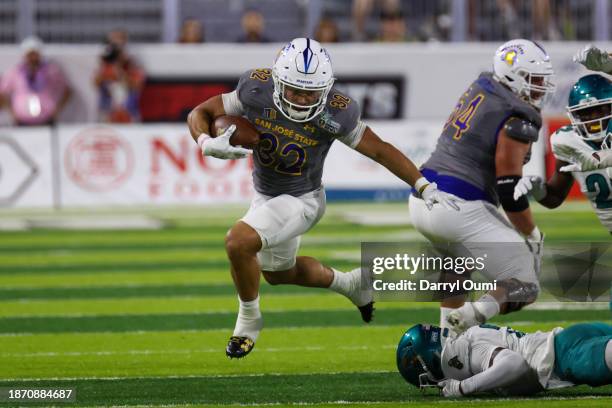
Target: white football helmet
x,y
302,66
525,68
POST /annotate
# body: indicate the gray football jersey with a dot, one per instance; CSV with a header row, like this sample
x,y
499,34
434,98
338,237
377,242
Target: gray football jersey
x,y
463,162
289,157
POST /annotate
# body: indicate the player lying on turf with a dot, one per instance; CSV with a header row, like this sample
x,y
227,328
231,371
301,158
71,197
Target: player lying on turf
x,y
299,115
488,358
479,157
578,151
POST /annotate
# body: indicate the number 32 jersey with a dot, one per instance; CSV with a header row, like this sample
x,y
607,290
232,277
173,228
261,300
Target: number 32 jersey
x,y
290,155
595,185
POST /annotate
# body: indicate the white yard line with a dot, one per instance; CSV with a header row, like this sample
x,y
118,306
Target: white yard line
x,y
163,377
185,351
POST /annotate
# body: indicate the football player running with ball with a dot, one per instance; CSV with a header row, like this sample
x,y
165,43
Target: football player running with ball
x,y
479,158
488,358
577,149
299,115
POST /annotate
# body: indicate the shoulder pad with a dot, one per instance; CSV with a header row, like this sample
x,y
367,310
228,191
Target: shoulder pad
x,y
522,130
255,87
565,136
342,113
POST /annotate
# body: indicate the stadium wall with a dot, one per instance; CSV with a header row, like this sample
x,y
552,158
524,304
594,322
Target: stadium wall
x,y
95,165
412,86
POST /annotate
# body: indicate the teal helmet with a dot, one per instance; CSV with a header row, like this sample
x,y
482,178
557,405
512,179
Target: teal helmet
x,y
418,355
590,106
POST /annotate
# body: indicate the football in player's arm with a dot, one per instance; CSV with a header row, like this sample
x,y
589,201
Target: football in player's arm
x,y
299,115
489,358
580,150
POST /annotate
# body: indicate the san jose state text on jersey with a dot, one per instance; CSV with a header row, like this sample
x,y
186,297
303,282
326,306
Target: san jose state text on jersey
x,y
289,157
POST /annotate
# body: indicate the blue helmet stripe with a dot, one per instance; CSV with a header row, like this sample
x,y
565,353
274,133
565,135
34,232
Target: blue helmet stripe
x,y
308,54
540,47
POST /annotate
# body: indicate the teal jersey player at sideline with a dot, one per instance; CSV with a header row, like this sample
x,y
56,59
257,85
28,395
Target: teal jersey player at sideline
x,y
589,109
495,359
299,115
600,157
479,158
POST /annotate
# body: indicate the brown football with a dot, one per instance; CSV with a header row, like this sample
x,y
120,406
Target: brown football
x,y
245,135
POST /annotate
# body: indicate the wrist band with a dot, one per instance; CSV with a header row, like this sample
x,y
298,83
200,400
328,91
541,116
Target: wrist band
x,y
421,184
202,138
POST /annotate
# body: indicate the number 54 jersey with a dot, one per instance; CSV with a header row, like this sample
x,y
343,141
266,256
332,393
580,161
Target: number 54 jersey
x,y
595,185
290,155
463,162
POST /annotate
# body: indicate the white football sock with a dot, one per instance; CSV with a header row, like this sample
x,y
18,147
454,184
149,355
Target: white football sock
x,y
608,355
341,283
487,306
249,322
444,311
349,285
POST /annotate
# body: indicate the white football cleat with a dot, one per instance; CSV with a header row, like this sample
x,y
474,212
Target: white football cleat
x,y
362,297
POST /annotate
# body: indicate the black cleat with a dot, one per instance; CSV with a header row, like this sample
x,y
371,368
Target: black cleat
x,y
367,312
238,347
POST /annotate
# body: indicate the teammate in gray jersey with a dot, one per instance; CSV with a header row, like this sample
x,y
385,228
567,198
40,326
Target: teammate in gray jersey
x,y
299,115
479,158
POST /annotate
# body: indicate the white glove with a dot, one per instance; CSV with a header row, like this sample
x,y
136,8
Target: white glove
x,y
430,194
583,160
594,59
450,388
534,185
220,146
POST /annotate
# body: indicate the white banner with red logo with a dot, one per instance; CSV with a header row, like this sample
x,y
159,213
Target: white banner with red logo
x,y
138,165
145,165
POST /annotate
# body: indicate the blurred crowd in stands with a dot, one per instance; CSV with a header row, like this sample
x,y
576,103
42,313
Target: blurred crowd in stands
x,y
35,90
423,20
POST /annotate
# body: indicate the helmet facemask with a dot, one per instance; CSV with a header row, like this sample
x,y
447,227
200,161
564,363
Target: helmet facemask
x,y
284,91
415,363
591,118
537,88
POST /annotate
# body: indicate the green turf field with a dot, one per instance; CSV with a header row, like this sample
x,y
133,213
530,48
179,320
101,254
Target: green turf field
x,y
142,317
